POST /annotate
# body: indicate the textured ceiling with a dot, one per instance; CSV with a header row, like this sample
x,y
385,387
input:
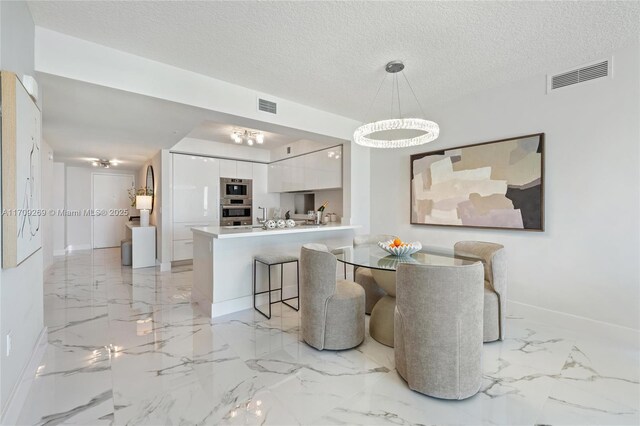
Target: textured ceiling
x,y
330,55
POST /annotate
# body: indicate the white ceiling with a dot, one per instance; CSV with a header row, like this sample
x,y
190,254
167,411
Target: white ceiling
x,y
218,132
83,121
331,54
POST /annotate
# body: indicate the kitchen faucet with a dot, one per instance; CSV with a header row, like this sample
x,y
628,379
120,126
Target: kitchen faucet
x,y
264,215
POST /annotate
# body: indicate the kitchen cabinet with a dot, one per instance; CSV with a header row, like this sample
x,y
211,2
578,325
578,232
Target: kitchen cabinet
x,y
196,199
228,168
244,170
236,169
308,172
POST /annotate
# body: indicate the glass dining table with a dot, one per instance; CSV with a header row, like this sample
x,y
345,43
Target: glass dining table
x,y
383,266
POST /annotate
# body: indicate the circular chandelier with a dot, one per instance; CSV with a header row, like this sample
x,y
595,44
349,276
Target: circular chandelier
x,y
248,136
428,130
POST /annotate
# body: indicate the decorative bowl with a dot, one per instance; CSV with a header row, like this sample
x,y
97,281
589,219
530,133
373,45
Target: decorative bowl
x,y
290,223
281,223
404,250
270,224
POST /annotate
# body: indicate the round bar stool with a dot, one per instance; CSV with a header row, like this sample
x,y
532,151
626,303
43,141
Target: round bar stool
x,y
270,260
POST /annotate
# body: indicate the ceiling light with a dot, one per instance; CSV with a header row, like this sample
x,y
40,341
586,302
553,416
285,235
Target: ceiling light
x,y
428,130
331,154
105,164
250,136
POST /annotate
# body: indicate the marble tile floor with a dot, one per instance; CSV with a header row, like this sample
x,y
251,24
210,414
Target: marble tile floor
x,y
127,348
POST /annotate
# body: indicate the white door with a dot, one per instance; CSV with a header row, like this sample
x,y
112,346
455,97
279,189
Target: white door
x,y
110,195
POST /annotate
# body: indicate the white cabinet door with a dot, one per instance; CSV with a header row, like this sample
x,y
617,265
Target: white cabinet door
x,y
316,170
332,176
244,170
228,169
196,186
274,177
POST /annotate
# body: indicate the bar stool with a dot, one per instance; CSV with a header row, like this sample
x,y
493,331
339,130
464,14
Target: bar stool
x,y
275,259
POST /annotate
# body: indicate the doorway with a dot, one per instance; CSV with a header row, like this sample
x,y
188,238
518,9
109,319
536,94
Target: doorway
x,y
110,195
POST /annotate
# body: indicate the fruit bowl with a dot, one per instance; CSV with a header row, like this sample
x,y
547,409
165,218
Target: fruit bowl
x,y
402,249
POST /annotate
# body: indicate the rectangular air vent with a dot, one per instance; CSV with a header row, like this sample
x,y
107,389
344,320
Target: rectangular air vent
x,y
586,73
267,106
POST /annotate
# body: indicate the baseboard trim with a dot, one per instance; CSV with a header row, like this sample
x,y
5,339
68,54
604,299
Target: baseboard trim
x,y
573,322
21,390
230,306
164,266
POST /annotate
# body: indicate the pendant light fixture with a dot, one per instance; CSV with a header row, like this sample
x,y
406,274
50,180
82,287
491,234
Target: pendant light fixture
x,y
248,136
428,130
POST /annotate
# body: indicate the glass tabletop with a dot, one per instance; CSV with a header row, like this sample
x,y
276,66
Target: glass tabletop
x,y
372,256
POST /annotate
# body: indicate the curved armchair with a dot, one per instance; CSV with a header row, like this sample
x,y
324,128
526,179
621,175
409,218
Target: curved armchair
x,y
438,329
495,284
332,310
373,292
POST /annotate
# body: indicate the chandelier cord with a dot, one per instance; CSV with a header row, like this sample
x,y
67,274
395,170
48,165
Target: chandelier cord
x,y
366,116
393,96
414,95
398,92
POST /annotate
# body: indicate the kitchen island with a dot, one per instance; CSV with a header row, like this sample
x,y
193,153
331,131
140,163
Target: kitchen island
x,y
223,262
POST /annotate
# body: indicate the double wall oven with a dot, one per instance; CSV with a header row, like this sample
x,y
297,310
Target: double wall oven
x,y
235,202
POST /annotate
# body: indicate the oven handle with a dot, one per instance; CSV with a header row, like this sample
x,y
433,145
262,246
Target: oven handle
x,y
235,206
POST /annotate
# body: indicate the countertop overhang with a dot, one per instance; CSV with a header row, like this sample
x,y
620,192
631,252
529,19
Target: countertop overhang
x,y
220,232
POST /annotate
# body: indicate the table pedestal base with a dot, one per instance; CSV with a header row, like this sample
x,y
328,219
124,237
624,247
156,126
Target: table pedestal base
x,y
381,322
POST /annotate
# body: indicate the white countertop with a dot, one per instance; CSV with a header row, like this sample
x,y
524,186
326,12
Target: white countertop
x,y
221,232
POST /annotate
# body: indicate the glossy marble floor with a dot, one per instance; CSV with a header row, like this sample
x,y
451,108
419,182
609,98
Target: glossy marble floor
x,y
128,348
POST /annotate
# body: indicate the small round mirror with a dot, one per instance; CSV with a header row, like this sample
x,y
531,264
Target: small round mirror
x,y
149,186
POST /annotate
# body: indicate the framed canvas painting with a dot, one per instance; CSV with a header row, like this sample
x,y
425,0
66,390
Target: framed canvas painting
x,y
498,184
21,164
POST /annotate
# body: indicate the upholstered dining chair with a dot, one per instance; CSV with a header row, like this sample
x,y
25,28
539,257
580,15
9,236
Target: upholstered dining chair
x,y
495,284
332,310
373,292
438,329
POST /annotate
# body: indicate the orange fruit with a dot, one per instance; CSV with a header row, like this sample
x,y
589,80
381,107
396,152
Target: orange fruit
x,y
397,242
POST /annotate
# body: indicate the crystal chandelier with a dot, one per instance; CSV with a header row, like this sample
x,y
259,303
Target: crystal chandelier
x,y
427,130
248,136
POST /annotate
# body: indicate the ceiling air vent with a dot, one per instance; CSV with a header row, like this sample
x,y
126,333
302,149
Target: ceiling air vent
x,y
586,73
267,106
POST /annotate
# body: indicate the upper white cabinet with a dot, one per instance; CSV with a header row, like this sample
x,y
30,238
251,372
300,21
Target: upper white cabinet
x,y
244,170
196,185
313,171
228,168
236,169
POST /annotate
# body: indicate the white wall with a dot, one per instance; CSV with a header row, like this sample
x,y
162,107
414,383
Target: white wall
x,y
299,147
58,203
47,203
356,185
586,261
21,297
222,150
17,38
156,217
79,198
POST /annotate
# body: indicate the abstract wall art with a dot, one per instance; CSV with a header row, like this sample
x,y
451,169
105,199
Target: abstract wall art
x,y
498,184
21,167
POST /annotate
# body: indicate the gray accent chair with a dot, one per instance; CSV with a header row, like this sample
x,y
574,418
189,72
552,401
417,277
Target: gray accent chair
x,y
438,329
332,310
495,284
373,292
